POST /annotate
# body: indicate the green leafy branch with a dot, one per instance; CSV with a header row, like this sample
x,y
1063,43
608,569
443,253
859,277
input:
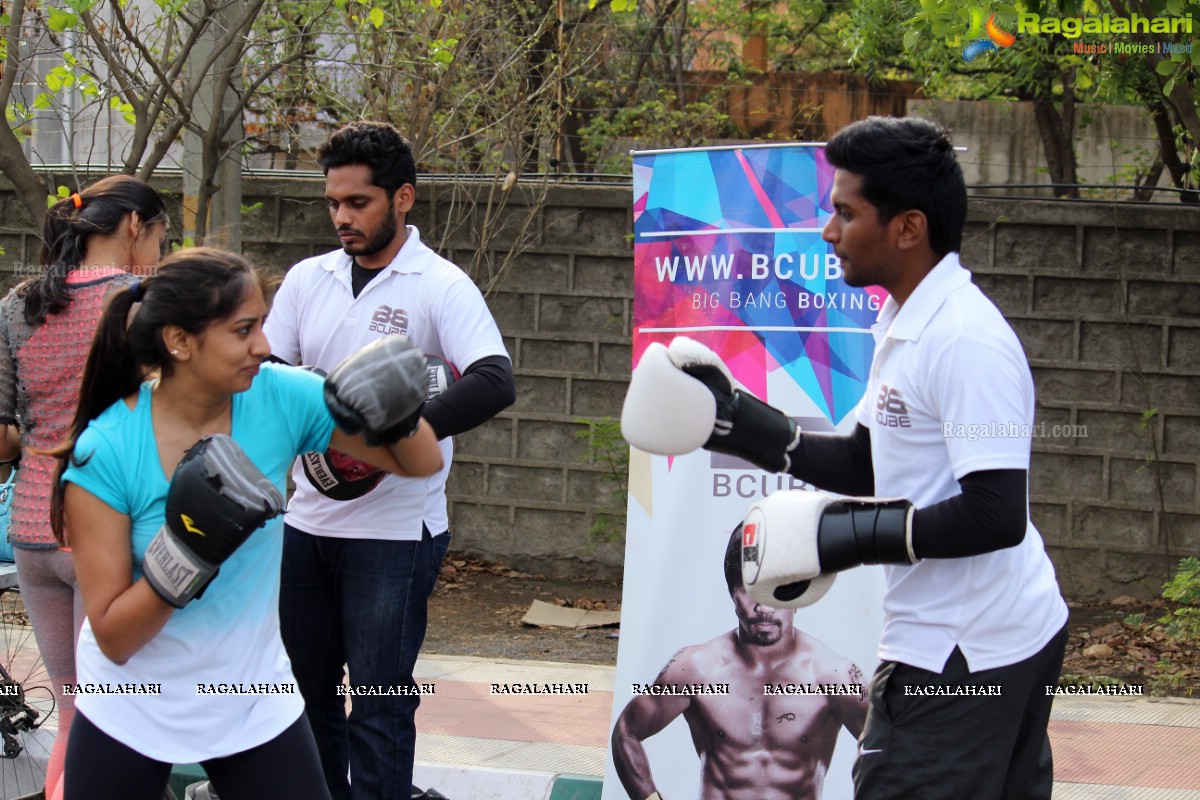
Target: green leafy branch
x,y
606,447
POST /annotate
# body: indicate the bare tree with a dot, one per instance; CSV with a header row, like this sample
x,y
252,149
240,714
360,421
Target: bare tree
x,y
145,65
482,89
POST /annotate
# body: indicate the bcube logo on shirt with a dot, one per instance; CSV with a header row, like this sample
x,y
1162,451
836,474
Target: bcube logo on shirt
x,y
890,410
389,321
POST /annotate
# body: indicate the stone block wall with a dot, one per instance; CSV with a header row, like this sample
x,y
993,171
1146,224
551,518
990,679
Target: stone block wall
x,y
1105,299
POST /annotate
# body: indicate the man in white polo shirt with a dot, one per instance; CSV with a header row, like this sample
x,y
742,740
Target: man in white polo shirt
x,y
362,550
974,623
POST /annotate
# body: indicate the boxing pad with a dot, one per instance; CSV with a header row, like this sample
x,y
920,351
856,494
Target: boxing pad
x,y
440,376
666,411
795,542
339,476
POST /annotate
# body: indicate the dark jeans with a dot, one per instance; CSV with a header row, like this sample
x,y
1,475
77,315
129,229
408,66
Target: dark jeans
x,y
101,768
985,743
361,604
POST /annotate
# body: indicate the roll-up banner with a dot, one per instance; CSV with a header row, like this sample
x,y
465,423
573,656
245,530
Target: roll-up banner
x,y
716,696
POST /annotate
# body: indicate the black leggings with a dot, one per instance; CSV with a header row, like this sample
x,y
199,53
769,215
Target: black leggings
x,y
101,768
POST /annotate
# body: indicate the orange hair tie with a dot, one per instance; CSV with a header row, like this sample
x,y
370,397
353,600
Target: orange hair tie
x,y
75,198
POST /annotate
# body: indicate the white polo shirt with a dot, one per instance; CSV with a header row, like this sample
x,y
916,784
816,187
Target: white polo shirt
x,y
950,393
316,321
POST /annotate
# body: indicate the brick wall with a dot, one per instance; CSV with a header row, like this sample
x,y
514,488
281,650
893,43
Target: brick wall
x,y
1105,298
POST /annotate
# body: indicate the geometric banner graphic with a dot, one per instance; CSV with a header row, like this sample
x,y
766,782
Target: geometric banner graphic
x,y
716,695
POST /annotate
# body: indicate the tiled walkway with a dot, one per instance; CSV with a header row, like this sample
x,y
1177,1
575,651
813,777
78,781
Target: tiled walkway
x,y
1105,748
477,745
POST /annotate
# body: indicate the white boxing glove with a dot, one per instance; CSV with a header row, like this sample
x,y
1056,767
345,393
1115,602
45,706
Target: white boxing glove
x,y
780,563
666,412
683,397
795,542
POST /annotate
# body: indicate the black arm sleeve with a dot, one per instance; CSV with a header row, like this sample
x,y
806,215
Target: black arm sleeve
x,y
485,389
989,515
836,463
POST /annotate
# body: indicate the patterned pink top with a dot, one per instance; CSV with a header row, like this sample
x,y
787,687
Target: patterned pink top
x,y
40,371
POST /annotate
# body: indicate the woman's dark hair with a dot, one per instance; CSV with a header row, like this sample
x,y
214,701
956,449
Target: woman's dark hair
x,y
192,289
100,208
377,145
906,163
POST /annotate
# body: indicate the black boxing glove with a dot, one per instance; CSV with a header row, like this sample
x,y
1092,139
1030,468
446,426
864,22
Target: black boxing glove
x,y
217,498
379,391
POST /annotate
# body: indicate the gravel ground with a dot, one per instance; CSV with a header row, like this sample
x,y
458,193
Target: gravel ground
x,y
477,606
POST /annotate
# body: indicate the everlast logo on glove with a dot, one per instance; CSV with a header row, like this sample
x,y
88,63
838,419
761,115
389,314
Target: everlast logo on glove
x,y
890,410
217,498
339,476
318,471
173,563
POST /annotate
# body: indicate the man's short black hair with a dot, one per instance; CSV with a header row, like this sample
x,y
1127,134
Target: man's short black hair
x,y
733,561
377,145
906,163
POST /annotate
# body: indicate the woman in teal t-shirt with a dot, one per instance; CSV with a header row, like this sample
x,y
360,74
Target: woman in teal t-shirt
x,y
167,679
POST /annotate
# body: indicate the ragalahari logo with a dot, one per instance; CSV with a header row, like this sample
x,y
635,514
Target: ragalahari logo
x,y
984,38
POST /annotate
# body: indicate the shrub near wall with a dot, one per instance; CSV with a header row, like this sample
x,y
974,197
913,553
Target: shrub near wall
x,y
1105,298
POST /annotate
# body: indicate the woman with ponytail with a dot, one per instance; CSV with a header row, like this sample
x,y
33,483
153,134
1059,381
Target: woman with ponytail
x,y
91,242
171,489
